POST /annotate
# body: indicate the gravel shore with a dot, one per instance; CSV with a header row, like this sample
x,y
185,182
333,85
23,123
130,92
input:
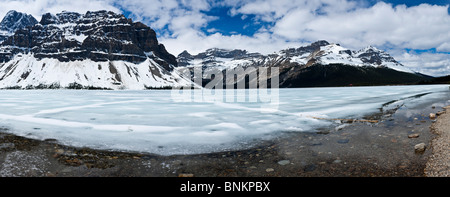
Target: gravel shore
x,y
358,149
439,163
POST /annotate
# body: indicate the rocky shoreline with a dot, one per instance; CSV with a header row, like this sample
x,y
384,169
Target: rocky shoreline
x,y
359,149
439,163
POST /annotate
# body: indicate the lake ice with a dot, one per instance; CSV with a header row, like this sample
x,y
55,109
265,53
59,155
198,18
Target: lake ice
x,y
156,121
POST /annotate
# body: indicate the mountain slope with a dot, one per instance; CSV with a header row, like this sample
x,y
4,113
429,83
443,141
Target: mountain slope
x,y
99,49
28,72
346,75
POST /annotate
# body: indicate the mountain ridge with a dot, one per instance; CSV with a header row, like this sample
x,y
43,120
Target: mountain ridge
x,y
368,63
95,50
318,52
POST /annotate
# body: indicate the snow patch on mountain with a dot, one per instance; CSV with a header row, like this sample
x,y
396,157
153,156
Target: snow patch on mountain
x,y
27,72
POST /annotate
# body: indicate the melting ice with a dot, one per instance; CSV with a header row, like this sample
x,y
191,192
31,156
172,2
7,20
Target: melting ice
x,y
156,122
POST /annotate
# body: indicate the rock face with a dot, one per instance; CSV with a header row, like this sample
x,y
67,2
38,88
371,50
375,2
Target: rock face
x,y
316,65
98,49
99,36
14,21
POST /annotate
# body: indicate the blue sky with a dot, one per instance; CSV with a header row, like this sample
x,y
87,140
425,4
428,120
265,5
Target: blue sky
x,y
245,24
416,33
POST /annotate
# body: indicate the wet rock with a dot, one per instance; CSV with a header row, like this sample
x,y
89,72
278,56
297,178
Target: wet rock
x,y
440,113
337,161
415,135
420,148
284,162
270,170
343,141
432,116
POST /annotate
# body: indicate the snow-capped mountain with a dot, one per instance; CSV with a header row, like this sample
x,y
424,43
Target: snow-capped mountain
x,y
294,62
219,59
93,50
14,21
320,52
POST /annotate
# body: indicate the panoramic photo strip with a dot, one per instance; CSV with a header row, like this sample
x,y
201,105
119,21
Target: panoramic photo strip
x,y
254,90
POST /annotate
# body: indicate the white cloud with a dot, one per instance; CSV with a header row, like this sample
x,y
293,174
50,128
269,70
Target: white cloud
x,y
174,14
419,27
434,64
444,47
39,7
196,42
158,12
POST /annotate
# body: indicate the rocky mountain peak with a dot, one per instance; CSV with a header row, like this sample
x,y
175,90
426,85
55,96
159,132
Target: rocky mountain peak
x,y
372,55
14,20
315,46
185,54
215,56
222,53
184,58
60,18
320,43
99,36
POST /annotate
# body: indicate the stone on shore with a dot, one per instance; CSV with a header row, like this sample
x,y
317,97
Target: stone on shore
x,y
439,162
415,135
284,162
420,148
432,116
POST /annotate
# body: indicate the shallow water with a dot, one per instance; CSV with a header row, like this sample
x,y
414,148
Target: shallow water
x,y
165,122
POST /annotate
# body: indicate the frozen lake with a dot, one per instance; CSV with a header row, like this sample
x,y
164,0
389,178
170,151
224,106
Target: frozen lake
x,y
160,122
